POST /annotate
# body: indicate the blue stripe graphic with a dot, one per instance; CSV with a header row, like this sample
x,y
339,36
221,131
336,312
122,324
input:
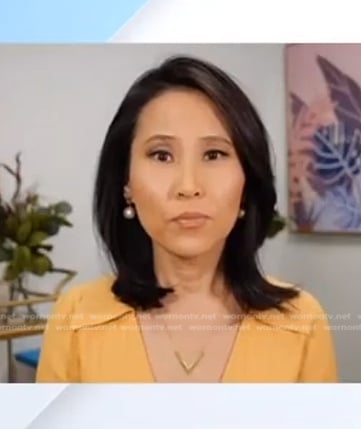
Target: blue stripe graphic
x,y
63,21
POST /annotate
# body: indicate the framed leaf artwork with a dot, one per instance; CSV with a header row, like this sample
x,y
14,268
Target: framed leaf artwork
x,y
323,86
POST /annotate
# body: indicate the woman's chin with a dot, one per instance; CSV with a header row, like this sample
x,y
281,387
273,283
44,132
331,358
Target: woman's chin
x,y
189,250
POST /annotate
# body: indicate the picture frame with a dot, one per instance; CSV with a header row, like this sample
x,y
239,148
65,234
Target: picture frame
x,y
323,111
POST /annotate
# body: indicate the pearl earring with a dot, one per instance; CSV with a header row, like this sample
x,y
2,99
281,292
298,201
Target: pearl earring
x,y
129,212
241,213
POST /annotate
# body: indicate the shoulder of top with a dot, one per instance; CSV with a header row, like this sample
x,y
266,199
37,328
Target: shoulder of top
x,y
96,286
93,301
305,299
302,311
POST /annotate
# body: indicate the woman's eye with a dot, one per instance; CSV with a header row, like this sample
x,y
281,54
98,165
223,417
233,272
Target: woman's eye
x,y
211,155
161,155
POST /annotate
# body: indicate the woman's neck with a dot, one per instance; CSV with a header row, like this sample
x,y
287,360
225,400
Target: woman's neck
x,y
198,281
188,275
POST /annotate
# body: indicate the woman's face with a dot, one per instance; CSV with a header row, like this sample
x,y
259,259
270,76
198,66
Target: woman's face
x,y
183,162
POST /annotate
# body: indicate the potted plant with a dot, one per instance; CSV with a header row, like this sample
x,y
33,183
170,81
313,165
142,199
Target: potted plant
x,y
26,226
278,224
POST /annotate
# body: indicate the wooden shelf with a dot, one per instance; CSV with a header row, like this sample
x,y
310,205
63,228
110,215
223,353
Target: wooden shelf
x,y
13,330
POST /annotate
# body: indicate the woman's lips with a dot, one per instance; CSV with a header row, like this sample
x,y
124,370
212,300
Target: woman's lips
x,y
191,220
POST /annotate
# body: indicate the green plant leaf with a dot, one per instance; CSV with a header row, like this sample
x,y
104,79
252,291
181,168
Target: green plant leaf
x,y
51,227
40,264
21,211
11,273
63,207
21,258
6,255
11,225
37,238
277,225
61,221
24,231
38,219
3,217
47,247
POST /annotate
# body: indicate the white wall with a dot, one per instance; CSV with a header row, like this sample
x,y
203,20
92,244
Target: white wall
x,y
55,105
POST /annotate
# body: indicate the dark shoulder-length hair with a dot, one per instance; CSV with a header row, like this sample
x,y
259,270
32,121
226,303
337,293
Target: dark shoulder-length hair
x,y
128,245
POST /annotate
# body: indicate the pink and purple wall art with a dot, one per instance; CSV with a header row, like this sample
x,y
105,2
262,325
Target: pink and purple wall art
x,y
324,137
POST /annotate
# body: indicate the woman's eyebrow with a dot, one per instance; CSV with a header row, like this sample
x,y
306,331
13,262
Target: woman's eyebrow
x,y
216,139
166,138
160,138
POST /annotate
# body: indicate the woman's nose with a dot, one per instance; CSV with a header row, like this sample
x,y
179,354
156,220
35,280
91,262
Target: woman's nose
x,y
189,184
188,193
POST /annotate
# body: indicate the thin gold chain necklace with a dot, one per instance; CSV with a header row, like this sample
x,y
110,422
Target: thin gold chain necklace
x,y
188,367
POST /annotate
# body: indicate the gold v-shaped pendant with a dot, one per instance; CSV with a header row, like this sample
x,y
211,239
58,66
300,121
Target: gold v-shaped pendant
x,y
188,368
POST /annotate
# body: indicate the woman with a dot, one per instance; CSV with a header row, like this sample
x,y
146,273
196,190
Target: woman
x,y
184,198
